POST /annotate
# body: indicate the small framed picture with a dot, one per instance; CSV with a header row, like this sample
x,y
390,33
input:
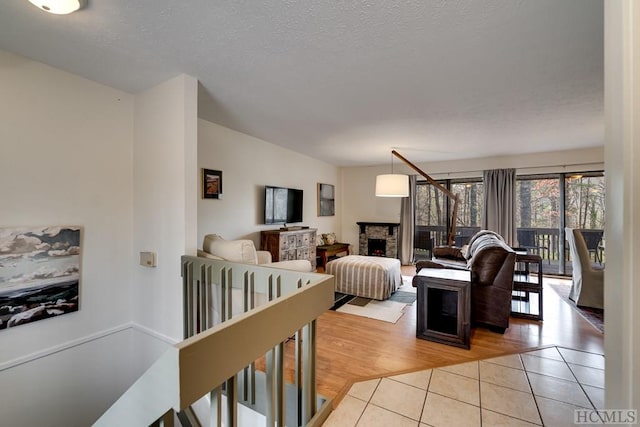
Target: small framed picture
x,y
211,184
326,200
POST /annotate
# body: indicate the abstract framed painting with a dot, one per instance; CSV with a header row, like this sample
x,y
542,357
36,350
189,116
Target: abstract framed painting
x,y
211,184
39,273
326,200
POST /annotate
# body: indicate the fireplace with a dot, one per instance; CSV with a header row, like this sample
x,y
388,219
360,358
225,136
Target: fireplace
x,y
377,247
379,239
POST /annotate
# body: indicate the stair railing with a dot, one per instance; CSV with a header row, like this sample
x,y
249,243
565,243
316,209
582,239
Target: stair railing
x,y
233,315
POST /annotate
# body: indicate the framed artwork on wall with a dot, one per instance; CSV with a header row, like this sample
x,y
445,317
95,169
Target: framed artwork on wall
x,y
211,184
326,200
39,273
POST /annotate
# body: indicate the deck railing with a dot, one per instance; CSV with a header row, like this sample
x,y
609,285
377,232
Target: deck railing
x,y
234,314
542,241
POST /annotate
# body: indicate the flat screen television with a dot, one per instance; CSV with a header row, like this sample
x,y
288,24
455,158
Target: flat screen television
x,y
282,205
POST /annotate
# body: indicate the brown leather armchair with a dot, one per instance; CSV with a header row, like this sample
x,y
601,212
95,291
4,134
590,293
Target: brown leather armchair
x,y
492,264
491,286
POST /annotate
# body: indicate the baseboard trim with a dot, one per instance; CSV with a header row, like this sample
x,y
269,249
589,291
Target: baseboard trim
x,y
154,334
84,340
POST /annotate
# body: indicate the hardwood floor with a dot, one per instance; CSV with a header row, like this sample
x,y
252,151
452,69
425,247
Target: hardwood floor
x,y
352,348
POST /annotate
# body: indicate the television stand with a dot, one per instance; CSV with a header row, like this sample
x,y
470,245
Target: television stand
x,y
294,227
290,243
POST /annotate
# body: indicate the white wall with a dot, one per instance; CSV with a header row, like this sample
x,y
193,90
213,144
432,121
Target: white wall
x,y
164,200
75,386
358,183
247,165
124,168
66,158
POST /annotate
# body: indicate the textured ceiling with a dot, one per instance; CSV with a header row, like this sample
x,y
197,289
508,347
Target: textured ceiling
x,y
345,81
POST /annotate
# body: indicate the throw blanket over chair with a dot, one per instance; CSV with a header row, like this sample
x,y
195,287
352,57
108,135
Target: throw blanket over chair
x,y
587,289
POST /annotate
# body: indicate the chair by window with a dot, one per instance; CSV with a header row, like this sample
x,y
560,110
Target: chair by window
x,y
528,239
593,238
587,288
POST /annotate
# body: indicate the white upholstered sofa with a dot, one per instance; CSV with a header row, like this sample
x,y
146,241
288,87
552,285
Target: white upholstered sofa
x,y
244,251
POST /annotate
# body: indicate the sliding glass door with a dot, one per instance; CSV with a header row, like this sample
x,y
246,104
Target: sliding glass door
x,y
585,210
546,204
538,213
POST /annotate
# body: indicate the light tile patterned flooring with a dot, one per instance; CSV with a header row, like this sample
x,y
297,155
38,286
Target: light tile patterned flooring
x,y
541,387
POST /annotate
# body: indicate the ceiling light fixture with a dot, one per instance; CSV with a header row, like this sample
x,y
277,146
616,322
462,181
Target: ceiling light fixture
x,y
59,7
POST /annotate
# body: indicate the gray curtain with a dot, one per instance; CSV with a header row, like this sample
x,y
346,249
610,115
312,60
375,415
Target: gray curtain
x,y
407,224
500,203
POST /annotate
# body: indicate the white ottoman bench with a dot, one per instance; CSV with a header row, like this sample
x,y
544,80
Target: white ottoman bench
x,y
366,276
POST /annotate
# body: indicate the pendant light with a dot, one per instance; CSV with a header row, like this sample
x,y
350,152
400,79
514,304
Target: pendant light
x,y
392,184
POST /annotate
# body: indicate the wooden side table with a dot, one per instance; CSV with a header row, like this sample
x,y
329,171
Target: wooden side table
x,y
444,306
326,251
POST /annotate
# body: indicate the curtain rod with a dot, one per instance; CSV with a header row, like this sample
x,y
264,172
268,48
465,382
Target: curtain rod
x,y
525,168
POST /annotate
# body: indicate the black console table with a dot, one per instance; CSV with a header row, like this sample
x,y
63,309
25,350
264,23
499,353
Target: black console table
x,y
444,306
524,284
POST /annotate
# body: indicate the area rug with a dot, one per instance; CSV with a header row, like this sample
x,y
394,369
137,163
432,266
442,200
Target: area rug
x,y
594,316
389,310
360,301
403,297
340,299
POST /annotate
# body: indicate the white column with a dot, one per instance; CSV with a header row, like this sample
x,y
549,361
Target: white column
x,y
622,160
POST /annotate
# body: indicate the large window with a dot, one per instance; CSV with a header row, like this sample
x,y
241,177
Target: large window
x,y
431,220
430,206
470,207
538,202
545,205
585,206
434,209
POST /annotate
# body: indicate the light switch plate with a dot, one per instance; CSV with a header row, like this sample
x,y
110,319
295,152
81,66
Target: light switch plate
x,y
148,259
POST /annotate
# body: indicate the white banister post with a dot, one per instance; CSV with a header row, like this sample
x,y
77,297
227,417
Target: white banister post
x,y
215,417
309,371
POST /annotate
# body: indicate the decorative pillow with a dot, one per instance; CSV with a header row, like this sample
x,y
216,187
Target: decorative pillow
x,y
329,238
242,251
